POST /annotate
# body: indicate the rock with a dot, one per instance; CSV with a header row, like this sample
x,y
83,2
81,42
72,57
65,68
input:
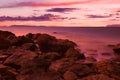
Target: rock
x,y
7,73
106,54
97,77
20,59
30,36
61,65
29,46
7,35
81,70
52,56
4,44
116,49
109,68
40,75
73,53
49,43
5,39
68,75
90,59
3,57
19,41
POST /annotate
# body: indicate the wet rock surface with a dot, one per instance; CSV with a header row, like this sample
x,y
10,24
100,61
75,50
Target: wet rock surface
x,y
43,57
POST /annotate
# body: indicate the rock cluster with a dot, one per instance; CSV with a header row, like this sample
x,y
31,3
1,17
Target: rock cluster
x,y
43,57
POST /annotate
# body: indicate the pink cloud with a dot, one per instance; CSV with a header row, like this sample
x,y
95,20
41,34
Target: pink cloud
x,y
33,4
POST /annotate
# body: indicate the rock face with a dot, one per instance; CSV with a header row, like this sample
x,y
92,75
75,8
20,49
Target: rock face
x,y
43,57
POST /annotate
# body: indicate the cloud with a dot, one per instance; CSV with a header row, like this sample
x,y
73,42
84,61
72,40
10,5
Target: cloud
x,y
45,17
31,3
99,16
61,10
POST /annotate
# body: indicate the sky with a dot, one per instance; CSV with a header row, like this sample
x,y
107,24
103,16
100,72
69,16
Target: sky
x,y
90,13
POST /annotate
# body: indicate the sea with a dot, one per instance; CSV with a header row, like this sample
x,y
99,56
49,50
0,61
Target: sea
x,y
92,41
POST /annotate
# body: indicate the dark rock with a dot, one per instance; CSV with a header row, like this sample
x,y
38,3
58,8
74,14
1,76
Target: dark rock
x,y
4,44
5,39
3,57
7,73
7,35
52,56
73,53
49,43
19,41
116,49
29,46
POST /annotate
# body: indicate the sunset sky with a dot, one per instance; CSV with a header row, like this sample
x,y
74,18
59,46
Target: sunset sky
x,y
59,12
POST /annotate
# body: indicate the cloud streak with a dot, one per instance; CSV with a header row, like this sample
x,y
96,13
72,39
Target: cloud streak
x,y
99,16
45,17
61,10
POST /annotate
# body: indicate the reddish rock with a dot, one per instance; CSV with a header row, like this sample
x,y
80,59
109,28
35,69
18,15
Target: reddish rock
x,y
73,53
61,65
68,75
97,77
20,58
109,68
29,46
52,56
40,75
81,70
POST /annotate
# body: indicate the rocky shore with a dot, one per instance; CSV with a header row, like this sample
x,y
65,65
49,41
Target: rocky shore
x,y
43,57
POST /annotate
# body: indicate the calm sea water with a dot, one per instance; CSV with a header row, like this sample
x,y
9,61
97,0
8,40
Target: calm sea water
x,y
92,41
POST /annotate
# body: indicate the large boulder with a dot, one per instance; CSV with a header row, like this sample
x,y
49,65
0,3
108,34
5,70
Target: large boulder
x,y
20,59
49,43
73,53
7,35
6,39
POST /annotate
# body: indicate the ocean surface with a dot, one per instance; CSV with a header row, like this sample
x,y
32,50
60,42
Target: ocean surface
x,y
93,42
